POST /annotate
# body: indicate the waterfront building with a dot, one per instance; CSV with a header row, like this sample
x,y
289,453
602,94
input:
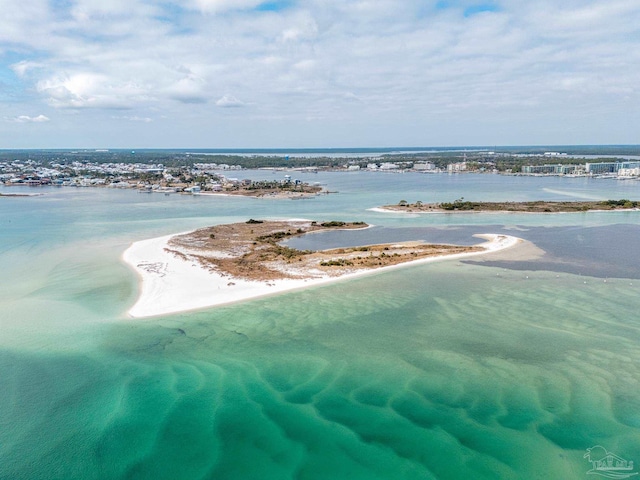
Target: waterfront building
x,y
602,168
550,169
423,166
388,166
457,167
629,172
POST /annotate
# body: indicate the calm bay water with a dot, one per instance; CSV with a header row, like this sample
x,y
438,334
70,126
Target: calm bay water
x,y
450,370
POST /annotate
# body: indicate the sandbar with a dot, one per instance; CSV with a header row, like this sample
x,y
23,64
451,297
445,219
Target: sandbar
x,y
173,282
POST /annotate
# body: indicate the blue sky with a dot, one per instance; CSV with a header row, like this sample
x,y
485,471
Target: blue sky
x,y
318,73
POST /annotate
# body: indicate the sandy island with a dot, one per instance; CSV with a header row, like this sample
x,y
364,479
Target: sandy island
x,y
230,263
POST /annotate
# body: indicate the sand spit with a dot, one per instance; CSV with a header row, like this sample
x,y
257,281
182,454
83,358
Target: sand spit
x,y
173,281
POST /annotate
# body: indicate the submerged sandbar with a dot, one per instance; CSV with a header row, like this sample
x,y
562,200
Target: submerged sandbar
x,y
229,263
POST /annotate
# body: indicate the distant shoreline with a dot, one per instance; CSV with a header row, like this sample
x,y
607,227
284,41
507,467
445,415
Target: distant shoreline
x,y
460,206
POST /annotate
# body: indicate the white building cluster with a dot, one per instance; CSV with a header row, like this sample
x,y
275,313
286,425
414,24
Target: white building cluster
x,y
422,166
457,167
625,169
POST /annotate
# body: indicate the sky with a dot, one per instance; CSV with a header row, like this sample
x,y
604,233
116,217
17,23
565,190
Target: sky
x,y
318,73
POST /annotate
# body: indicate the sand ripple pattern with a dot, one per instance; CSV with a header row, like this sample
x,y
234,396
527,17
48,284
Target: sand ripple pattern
x,y
460,382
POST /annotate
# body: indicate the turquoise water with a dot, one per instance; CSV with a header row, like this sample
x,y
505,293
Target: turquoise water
x,y
447,371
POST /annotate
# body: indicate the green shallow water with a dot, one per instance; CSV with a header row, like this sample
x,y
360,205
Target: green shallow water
x,y
439,371
336,382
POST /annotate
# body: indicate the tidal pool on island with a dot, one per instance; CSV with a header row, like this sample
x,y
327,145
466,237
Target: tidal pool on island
x,y
446,370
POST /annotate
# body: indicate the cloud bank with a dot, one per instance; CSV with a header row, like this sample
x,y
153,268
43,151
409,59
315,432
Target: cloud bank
x,y
323,72
28,119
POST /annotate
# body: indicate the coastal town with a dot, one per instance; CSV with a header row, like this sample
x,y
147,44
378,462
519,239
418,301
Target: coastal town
x,y
201,178
182,173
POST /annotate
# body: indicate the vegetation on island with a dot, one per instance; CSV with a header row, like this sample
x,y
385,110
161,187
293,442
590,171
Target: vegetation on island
x,y
253,250
540,206
624,203
271,188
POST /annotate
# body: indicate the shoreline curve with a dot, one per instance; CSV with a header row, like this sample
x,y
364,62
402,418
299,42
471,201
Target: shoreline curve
x,y
170,284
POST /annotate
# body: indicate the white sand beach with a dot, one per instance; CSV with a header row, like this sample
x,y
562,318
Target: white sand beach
x,y
171,284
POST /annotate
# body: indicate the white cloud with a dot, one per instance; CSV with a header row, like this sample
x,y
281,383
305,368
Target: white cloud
x,y
229,101
21,68
134,118
189,89
88,10
28,119
305,29
217,6
89,90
